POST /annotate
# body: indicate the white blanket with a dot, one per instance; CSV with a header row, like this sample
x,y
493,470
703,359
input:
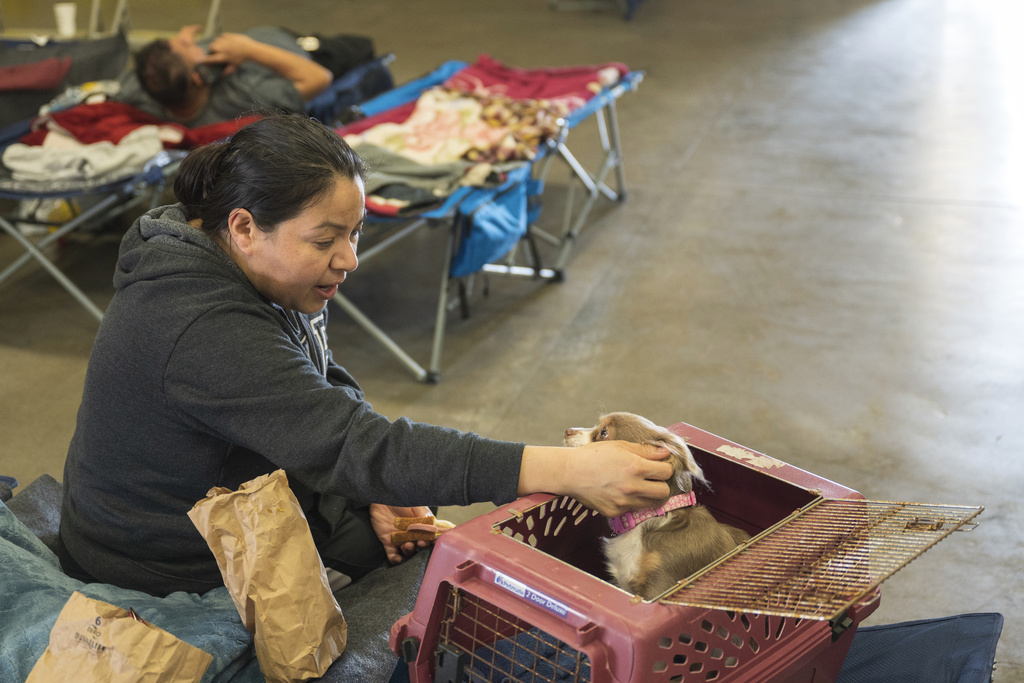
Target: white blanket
x,y
61,157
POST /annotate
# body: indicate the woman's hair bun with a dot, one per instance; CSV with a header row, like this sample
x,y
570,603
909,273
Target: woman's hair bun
x,y
197,176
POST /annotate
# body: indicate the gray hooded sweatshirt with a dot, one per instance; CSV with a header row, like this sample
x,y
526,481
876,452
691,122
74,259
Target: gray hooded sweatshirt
x,y
195,380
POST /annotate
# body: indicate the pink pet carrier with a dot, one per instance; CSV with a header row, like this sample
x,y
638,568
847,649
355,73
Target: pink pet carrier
x,y
522,594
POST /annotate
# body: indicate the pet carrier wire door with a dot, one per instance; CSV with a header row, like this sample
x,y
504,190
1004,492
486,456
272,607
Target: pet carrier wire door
x,y
824,559
521,594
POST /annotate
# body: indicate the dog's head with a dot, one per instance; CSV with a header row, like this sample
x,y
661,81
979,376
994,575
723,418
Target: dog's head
x,y
637,429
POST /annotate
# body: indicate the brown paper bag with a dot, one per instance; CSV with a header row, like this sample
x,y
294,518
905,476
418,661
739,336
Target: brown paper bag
x,y
96,642
275,576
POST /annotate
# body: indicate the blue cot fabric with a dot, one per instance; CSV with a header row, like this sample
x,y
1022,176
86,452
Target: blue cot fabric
x,y
493,220
411,90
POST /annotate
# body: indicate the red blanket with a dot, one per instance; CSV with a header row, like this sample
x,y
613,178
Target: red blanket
x,y
581,82
111,121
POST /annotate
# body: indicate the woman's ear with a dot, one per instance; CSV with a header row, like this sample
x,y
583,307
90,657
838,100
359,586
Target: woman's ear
x,y
242,230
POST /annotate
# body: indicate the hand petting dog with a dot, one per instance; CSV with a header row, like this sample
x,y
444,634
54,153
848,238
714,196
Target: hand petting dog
x,y
654,548
610,477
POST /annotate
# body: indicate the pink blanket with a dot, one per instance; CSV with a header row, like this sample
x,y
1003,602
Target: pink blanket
x,y
572,85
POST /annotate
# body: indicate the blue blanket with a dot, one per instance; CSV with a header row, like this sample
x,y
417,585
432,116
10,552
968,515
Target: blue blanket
x,y
34,590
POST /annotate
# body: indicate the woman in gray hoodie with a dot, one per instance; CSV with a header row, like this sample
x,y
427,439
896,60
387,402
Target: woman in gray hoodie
x,y
211,367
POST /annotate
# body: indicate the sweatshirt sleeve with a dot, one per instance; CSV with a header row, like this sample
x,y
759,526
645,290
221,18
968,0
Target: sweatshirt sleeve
x,y
236,374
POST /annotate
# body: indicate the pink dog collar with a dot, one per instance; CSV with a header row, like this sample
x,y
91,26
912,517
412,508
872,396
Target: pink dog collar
x,y
624,523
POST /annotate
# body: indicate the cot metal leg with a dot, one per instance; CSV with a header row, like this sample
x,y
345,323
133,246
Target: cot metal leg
x,y
94,19
594,184
432,373
534,270
616,146
441,318
390,344
34,250
53,236
521,271
59,276
397,237
212,27
120,20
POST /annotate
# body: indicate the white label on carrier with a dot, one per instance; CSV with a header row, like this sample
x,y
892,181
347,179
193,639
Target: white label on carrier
x,y
763,461
524,591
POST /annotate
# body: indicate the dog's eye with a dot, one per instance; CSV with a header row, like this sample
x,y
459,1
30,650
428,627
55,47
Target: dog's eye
x,y
604,433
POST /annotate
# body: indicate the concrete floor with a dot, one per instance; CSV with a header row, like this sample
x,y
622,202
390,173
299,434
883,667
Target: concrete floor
x,y
821,258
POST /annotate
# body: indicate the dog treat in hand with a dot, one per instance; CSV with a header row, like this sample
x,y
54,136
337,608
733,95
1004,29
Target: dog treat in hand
x,y
411,529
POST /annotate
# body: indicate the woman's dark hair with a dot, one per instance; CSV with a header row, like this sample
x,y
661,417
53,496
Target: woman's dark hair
x,y
274,168
163,73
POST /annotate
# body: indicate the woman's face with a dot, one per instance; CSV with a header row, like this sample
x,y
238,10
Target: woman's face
x,y
300,265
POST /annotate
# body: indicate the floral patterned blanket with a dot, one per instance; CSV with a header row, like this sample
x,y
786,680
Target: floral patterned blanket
x,y
471,127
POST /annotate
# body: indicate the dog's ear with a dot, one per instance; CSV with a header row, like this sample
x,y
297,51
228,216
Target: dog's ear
x,y
686,468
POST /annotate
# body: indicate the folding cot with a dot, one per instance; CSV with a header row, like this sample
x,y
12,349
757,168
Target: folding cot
x,y
33,74
489,226
117,196
124,188
36,74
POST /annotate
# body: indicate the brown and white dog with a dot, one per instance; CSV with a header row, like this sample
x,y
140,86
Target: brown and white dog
x,y
651,550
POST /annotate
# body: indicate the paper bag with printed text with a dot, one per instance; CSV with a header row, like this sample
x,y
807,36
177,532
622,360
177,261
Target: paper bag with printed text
x,y
96,642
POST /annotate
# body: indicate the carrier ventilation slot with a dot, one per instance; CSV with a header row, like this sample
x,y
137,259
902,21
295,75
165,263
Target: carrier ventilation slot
x,y
825,558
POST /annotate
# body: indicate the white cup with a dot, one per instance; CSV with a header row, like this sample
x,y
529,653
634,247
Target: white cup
x,y
64,13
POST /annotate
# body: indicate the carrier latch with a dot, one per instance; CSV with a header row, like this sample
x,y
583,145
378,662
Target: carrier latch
x,y
449,664
840,624
410,648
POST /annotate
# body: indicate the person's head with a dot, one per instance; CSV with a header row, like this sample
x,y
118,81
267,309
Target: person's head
x,y
165,74
167,69
284,196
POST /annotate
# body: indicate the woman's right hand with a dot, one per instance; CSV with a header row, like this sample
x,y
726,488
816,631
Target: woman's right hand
x,y
611,477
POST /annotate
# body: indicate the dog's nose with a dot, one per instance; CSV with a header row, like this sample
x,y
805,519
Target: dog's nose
x,y
569,432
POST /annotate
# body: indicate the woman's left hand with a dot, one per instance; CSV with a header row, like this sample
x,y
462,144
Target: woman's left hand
x,y
382,517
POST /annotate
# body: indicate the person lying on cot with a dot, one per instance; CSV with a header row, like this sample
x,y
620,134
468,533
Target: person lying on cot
x,y
211,367
199,82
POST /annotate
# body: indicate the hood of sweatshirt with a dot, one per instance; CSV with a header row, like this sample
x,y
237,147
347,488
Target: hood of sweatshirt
x,y
169,273
161,244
